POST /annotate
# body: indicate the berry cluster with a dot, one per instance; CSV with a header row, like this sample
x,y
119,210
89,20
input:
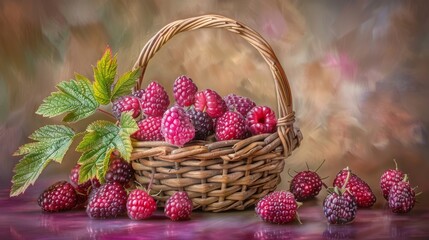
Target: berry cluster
x,y
195,115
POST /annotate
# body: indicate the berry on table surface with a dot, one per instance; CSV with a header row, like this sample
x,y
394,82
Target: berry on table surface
x,y
149,129
178,207
365,198
238,103
261,119
390,178
60,196
140,205
340,205
126,104
108,201
209,101
184,90
402,197
230,125
176,127
306,185
277,207
202,122
155,100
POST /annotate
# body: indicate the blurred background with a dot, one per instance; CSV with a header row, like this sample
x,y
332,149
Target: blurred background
x,y
358,71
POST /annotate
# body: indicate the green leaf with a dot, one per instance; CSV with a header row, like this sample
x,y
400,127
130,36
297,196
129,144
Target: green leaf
x,y
52,143
104,76
125,83
74,97
101,139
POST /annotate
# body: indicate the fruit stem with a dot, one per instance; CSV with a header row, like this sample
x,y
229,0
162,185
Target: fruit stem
x,y
396,164
317,169
107,113
405,178
343,188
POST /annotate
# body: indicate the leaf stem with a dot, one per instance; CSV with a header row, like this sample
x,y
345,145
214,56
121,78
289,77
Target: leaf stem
x,y
107,113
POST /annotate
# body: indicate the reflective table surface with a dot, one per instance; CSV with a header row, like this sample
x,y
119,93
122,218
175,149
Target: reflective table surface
x,y
21,218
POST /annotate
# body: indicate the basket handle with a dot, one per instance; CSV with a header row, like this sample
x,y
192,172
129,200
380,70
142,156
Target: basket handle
x,y
283,92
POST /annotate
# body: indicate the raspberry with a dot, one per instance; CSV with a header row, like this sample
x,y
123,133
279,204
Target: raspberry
x,y
60,196
230,126
176,127
239,103
277,207
202,122
389,178
260,120
306,185
365,198
119,171
149,130
108,201
155,100
184,90
178,207
340,208
209,101
125,104
139,93
140,205
402,197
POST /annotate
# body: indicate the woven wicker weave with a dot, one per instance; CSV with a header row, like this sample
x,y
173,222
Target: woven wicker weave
x,y
224,175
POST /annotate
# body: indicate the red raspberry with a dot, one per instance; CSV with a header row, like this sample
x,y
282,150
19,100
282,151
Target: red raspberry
x,y
389,178
402,196
277,207
261,119
209,101
119,171
155,100
176,127
125,104
178,207
60,196
149,130
140,205
360,189
306,185
239,103
108,201
202,122
139,93
184,90
231,125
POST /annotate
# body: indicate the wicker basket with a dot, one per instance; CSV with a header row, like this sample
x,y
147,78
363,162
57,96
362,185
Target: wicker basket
x,y
224,175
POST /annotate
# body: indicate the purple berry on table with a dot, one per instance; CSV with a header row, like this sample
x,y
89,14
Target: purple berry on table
x,y
126,104
238,103
402,197
230,125
184,90
176,127
261,119
209,101
149,129
178,207
140,205
306,185
108,201
60,196
155,100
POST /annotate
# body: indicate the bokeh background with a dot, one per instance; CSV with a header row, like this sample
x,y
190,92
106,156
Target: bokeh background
x,y
358,71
